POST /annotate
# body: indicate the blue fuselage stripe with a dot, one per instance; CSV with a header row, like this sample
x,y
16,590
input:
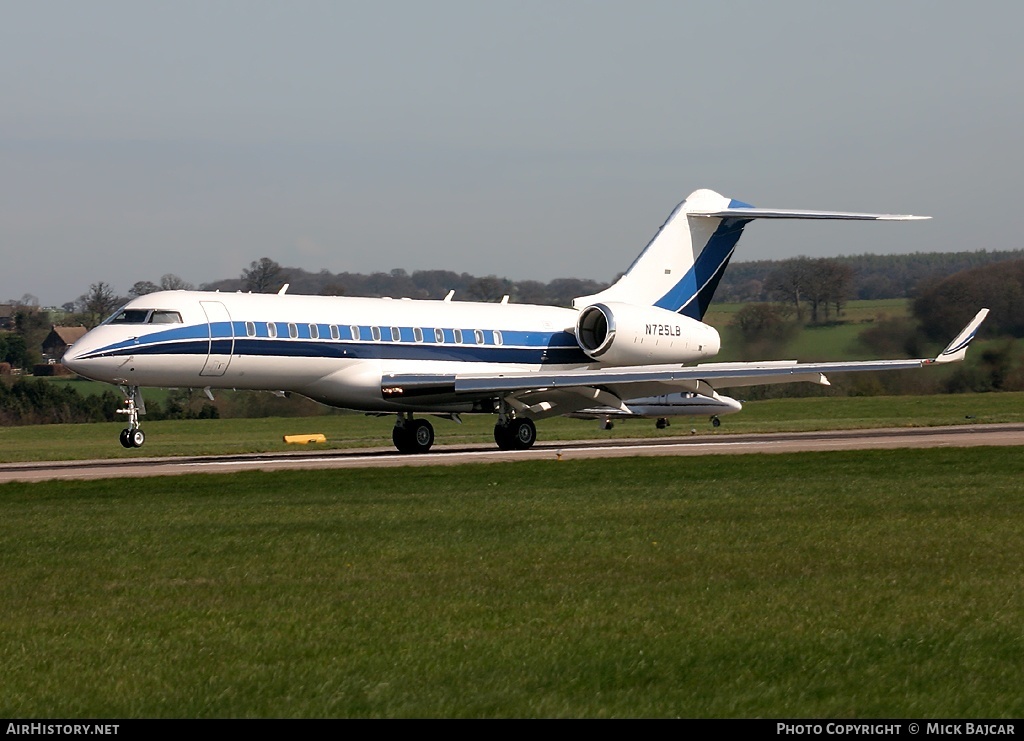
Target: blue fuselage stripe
x,y
516,347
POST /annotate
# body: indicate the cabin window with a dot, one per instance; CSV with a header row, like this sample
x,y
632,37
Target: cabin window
x,y
375,331
271,329
458,336
396,334
314,332
293,331
165,317
478,336
417,334
439,335
355,332
250,329
497,337
335,334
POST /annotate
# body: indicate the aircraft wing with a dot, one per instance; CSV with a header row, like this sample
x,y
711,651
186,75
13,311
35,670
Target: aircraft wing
x,y
568,390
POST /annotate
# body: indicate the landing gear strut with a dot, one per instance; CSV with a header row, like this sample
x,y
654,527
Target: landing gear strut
x,y
412,435
132,436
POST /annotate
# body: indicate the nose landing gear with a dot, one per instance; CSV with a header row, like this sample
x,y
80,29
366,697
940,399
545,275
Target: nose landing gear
x,y
132,436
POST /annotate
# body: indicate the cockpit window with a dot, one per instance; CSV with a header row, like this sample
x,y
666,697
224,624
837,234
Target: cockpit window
x,y
129,316
144,316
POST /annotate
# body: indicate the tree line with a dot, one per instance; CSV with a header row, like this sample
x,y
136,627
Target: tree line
x,y
873,276
815,287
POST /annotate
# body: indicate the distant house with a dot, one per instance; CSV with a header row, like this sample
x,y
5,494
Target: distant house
x,y
59,340
6,316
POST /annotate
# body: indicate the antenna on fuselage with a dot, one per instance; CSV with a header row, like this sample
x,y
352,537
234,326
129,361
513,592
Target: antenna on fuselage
x,y
284,289
450,294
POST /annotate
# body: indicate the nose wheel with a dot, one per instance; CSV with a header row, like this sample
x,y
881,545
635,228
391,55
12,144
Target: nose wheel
x,y
132,436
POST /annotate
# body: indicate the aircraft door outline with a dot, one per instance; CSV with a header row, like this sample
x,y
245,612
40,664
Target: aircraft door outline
x,y
222,338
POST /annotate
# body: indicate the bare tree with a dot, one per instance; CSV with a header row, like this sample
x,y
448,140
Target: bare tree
x,y
98,302
788,283
264,275
171,282
820,283
143,287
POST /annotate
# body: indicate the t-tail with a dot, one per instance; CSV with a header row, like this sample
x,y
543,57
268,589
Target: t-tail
x,y
682,265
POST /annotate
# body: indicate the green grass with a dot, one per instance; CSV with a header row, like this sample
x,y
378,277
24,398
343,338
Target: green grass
x,y
833,341
880,584
343,431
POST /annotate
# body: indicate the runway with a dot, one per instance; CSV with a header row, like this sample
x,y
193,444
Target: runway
x,y
441,455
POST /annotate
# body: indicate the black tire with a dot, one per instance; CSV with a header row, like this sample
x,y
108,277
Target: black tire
x,y
137,438
523,433
503,437
417,436
402,438
716,422
421,437
125,438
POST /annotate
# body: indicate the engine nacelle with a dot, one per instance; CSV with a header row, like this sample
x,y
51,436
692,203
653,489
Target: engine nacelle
x,y
624,334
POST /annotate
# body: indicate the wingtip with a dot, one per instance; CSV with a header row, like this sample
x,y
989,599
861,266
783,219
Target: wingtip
x,y
957,349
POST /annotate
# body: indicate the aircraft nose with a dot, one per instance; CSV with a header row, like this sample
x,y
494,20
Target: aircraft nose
x,y
77,360
72,360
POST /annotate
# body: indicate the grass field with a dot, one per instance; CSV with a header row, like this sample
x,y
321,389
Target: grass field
x,y
880,584
223,436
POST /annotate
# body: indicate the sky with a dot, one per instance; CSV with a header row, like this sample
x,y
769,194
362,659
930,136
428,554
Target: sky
x,y
529,140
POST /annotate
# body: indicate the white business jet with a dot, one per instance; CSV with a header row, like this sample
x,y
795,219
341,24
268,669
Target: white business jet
x,y
636,340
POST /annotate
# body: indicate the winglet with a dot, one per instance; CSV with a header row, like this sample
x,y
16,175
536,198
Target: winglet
x,y
957,349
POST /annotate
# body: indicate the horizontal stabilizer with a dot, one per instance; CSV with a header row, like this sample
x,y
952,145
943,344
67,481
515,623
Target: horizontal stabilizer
x,y
745,212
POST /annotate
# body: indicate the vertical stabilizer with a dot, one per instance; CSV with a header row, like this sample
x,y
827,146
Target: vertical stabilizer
x,y
681,266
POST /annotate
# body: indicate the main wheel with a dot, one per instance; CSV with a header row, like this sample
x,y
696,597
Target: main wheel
x,y
422,436
716,422
402,438
502,436
137,437
417,436
125,437
523,432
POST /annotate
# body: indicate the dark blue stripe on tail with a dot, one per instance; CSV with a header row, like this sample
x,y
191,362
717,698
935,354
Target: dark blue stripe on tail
x,y
692,295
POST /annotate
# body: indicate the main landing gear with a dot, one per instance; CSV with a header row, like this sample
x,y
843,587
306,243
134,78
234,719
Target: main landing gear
x,y
412,435
417,435
515,434
132,436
